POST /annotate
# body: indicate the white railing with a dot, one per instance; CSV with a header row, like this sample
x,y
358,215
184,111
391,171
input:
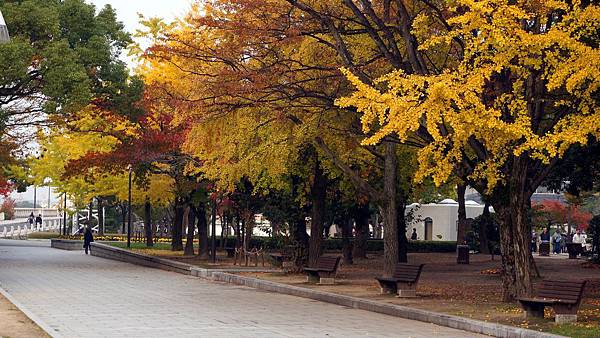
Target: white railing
x,y
45,212
20,228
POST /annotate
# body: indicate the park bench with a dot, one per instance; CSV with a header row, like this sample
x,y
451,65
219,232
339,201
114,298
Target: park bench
x,y
242,254
564,296
574,249
279,258
324,271
230,251
403,282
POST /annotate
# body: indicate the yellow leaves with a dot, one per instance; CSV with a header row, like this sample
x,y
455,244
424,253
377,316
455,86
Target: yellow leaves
x,y
485,106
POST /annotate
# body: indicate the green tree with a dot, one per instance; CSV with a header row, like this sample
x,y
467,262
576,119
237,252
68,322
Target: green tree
x,y
62,54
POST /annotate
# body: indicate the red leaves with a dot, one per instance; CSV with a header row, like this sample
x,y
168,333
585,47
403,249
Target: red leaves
x,y
557,212
156,141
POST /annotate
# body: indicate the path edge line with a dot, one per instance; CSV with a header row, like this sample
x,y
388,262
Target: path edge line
x,y
441,319
32,316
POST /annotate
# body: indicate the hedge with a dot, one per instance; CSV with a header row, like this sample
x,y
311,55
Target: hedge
x,y
329,244
335,244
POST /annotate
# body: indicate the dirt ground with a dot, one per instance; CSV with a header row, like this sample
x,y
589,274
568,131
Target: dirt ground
x,y
472,290
14,324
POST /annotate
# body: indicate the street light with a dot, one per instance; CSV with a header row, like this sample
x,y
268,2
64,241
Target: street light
x,y
4,37
64,229
129,168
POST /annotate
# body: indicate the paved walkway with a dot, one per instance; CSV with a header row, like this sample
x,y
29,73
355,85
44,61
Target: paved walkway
x,y
85,296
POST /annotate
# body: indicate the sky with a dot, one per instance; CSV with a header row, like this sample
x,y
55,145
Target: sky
x,y
127,12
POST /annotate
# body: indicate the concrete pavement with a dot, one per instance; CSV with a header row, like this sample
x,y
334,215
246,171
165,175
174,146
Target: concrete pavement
x,y
85,296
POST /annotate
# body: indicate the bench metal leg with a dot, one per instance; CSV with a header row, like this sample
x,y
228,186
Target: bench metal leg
x,y
406,290
534,310
565,313
312,278
388,288
565,318
327,281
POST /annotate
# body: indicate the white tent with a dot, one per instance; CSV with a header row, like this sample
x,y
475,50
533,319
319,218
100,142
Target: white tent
x,y
4,37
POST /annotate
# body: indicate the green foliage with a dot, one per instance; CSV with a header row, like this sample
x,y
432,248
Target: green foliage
x,y
576,331
594,233
335,244
493,232
60,57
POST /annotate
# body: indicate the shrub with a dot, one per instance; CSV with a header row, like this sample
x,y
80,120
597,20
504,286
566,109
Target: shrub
x,y
594,233
8,208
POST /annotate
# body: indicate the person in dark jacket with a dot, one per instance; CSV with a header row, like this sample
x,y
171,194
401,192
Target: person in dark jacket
x,y
88,238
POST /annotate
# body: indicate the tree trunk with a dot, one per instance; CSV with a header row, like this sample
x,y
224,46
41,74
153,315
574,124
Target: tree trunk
x,y
510,203
100,217
176,241
243,234
202,231
148,224
462,214
361,233
249,230
389,210
402,240
347,224
484,245
189,242
223,230
238,232
90,218
318,195
300,240
376,226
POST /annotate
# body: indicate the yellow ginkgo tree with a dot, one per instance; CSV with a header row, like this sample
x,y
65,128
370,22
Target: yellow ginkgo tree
x,y
524,89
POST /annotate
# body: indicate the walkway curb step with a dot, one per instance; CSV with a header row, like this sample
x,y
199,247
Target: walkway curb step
x,y
66,244
461,323
110,252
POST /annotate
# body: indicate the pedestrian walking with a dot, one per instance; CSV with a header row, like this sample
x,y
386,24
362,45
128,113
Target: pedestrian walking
x,y
31,219
88,238
534,241
38,221
557,242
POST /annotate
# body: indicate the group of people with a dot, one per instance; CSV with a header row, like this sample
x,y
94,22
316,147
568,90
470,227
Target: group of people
x,y
37,220
558,240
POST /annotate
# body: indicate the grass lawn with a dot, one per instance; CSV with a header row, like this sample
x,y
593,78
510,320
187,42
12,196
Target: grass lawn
x,y
577,330
43,235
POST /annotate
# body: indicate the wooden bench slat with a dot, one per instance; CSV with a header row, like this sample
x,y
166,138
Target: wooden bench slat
x,y
562,284
557,291
325,264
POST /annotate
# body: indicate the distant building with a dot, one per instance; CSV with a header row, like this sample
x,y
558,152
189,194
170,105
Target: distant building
x,y
439,221
541,194
4,37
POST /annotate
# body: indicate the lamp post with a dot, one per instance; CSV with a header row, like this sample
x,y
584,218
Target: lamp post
x,y
129,168
213,217
64,229
4,37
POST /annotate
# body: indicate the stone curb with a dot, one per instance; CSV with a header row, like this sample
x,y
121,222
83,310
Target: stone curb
x,y
66,244
456,322
110,252
461,323
34,318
